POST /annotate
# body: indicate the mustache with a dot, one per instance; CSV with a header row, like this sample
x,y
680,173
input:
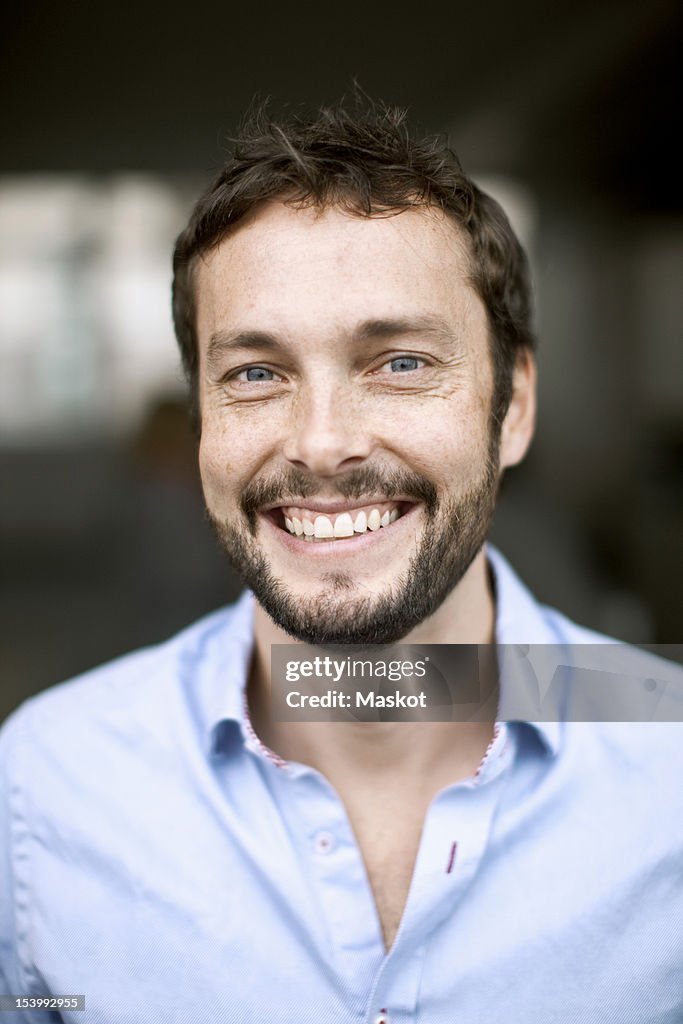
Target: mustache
x,y
292,485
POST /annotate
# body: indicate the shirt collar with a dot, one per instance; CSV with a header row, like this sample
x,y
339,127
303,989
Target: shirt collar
x,y
519,620
226,670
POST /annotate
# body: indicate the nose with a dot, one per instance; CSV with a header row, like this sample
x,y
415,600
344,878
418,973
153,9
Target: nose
x,y
328,433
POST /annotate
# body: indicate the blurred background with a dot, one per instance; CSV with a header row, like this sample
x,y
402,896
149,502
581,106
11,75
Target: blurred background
x,y
114,119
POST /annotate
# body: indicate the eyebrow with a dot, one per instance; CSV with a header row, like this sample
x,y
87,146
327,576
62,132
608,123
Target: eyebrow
x,y
391,328
386,327
226,341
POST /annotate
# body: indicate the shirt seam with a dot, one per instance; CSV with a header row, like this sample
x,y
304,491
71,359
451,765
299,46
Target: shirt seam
x,y
269,754
492,742
20,837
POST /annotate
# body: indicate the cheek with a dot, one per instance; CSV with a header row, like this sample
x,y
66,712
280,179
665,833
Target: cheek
x,y
211,470
230,454
447,440
217,465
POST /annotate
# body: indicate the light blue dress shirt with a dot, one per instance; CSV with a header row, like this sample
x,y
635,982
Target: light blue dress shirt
x,y
154,858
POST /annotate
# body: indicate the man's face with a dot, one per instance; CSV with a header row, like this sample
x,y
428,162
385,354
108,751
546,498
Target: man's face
x,y
345,389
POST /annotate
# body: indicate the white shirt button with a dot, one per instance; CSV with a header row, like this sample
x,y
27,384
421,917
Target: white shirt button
x,y
382,1017
323,842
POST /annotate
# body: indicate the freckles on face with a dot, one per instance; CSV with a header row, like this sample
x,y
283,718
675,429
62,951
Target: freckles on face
x,y
302,289
230,454
345,389
446,440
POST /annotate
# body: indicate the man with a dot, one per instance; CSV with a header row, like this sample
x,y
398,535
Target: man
x,y
353,314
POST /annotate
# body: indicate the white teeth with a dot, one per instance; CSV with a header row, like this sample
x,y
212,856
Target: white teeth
x,y
374,520
343,525
330,527
361,524
323,527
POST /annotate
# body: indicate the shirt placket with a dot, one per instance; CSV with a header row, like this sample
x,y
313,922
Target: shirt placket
x,y
454,840
331,858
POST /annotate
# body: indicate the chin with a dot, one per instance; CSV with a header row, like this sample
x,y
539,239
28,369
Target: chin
x,y
343,599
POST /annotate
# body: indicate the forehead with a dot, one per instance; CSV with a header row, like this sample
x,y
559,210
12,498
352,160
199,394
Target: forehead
x,y
289,269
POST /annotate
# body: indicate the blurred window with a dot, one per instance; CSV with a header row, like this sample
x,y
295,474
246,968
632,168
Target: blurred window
x,y
85,325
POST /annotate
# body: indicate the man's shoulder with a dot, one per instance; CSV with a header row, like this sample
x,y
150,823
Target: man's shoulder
x,y
130,691
571,676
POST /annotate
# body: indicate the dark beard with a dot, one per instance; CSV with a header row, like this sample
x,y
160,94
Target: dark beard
x,y
454,536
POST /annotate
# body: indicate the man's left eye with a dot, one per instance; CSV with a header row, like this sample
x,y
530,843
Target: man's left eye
x,y
256,373
404,364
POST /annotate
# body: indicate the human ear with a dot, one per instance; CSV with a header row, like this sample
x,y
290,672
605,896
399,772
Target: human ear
x,y
520,419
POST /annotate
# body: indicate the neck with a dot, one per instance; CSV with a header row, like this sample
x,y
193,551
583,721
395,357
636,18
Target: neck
x,y
416,749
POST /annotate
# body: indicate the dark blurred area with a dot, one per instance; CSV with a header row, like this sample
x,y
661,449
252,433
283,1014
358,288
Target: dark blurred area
x,y
114,119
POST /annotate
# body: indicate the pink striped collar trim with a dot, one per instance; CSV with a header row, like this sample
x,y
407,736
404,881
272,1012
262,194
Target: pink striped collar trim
x,y
265,751
496,734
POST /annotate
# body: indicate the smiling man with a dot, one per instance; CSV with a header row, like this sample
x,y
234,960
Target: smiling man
x,y
345,366
354,318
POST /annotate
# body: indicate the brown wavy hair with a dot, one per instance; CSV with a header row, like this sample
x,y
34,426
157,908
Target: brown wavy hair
x,y
366,161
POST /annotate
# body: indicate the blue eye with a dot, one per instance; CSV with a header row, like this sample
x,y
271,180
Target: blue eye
x,y
403,364
258,373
